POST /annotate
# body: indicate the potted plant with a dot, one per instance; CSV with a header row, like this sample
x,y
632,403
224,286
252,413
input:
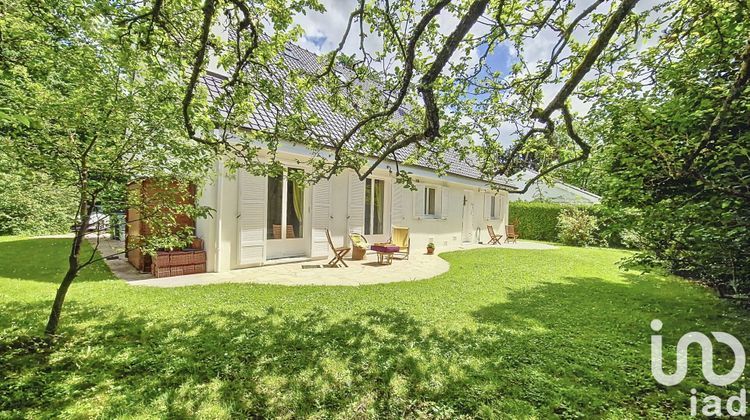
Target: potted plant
x,y
430,248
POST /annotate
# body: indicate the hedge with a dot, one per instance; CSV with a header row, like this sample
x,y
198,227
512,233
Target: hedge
x,y
537,220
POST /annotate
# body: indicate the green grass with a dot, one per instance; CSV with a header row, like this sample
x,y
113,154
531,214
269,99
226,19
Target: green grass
x,y
504,333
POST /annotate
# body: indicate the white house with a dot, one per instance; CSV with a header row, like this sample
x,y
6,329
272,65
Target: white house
x,y
262,220
246,228
555,192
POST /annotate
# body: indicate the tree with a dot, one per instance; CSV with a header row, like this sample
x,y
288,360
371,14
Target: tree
x,y
415,92
676,141
30,204
87,108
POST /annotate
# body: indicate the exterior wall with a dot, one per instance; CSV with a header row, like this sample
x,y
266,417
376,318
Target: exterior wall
x,y
449,230
222,237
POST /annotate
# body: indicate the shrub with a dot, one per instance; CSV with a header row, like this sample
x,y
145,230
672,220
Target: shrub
x,y
535,220
31,205
577,226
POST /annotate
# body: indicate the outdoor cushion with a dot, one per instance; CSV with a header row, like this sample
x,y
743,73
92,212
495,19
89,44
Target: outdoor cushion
x,y
385,248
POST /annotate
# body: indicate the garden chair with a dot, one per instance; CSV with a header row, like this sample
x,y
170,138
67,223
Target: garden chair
x,y
400,238
338,253
277,232
494,239
510,233
359,246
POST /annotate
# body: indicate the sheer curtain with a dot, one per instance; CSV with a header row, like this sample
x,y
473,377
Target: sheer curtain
x,y
298,197
379,195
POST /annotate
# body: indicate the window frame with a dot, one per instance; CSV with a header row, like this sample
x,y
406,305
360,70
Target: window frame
x,y
495,207
285,206
426,208
369,222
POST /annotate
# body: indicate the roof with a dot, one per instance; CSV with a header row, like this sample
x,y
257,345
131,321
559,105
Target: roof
x,y
333,124
559,191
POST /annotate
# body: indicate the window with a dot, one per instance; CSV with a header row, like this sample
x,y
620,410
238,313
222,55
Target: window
x,y
374,196
429,201
275,204
493,207
295,208
286,204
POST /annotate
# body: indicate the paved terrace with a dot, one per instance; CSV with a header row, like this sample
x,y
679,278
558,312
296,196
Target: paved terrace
x,y
298,272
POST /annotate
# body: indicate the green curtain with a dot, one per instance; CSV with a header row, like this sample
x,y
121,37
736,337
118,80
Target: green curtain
x,y
298,199
378,228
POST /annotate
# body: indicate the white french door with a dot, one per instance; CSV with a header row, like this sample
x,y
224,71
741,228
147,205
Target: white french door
x,y
286,216
374,215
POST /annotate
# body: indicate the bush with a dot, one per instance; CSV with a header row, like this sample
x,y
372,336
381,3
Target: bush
x,y
31,205
577,226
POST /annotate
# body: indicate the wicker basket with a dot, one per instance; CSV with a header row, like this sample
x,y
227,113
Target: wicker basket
x,y
177,258
358,253
177,271
199,257
161,271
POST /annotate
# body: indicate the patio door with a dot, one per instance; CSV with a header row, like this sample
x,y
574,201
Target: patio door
x,y
467,234
286,216
374,217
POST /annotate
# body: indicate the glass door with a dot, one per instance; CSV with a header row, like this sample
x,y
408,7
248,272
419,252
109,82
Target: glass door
x,y
375,210
285,224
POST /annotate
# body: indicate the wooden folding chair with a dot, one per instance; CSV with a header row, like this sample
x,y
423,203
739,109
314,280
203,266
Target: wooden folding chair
x,y
494,239
338,253
510,233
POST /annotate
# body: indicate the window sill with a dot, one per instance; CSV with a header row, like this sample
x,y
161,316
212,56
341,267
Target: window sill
x,y
431,218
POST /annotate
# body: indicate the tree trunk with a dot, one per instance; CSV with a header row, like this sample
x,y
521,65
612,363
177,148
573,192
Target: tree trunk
x,y
75,250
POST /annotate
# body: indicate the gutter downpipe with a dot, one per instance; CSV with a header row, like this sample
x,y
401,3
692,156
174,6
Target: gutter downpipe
x,y
219,197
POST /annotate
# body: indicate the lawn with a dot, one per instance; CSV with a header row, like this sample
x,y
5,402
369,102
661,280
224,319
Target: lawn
x,y
504,333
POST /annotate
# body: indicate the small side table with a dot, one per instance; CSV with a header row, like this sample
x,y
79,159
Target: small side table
x,y
385,252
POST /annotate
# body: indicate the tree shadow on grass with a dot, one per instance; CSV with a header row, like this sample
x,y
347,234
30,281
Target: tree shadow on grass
x,y
45,260
560,349
593,337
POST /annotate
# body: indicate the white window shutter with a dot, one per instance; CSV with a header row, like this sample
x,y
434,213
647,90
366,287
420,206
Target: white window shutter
x,y
444,202
252,218
501,208
321,216
356,209
487,209
419,202
397,205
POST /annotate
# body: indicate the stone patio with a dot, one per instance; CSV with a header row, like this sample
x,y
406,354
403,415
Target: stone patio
x,y
419,266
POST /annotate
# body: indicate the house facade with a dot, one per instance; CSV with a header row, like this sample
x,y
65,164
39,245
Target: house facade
x,y
261,220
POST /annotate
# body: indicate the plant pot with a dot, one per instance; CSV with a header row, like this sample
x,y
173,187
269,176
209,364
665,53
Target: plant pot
x,y
430,251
